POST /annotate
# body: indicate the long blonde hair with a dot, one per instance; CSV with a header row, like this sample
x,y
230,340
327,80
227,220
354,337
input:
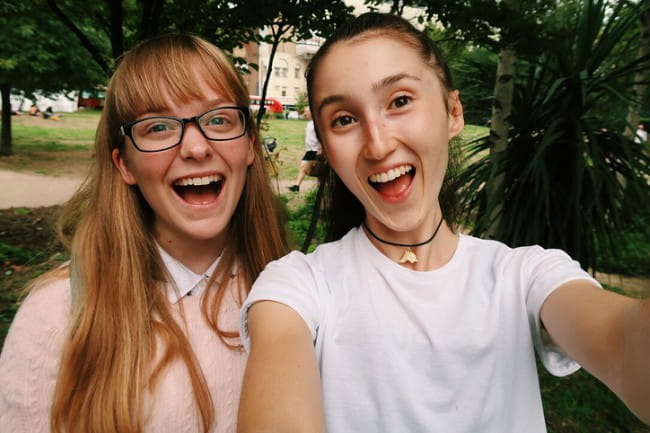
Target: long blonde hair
x,y
120,309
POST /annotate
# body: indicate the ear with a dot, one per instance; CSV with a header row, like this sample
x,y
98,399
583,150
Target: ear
x,y
456,120
123,168
252,139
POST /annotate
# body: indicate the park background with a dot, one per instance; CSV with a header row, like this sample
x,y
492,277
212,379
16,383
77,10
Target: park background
x,y
552,93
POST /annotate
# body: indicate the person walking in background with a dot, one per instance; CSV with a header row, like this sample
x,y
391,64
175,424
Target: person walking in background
x,y
641,135
312,154
139,332
402,323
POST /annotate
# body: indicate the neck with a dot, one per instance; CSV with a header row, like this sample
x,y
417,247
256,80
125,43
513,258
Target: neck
x,y
408,254
197,256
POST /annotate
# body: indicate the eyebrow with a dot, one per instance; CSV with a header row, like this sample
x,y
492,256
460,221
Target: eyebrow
x,y
392,79
328,100
384,82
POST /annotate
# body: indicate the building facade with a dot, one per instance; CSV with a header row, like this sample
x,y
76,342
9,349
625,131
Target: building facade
x,y
287,75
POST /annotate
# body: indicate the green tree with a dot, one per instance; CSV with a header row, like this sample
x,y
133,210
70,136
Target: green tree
x,y
36,55
567,168
284,21
639,90
111,27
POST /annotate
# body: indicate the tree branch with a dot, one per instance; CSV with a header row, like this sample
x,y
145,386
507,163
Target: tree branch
x,y
85,42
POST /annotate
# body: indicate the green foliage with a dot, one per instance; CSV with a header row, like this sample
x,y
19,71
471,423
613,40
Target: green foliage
x,y
474,74
301,102
634,258
299,220
16,255
567,167
579,403
37,53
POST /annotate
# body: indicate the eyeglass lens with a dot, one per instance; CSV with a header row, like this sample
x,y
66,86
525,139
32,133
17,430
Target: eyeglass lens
x,y
158,133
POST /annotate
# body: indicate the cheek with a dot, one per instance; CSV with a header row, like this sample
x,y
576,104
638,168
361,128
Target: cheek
x,y
238,155
341,158
150,167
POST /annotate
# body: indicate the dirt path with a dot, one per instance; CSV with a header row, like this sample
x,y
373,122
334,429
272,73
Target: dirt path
x,y
33,190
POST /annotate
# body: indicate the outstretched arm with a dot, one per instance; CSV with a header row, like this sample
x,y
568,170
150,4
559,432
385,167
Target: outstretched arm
x,y
608,334
281,390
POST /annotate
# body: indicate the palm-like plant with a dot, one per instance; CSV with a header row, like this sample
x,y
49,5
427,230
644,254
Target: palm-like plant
x,y
568,168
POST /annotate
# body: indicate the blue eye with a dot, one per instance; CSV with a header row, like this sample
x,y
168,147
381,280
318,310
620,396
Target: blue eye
x,y
158,127
216,120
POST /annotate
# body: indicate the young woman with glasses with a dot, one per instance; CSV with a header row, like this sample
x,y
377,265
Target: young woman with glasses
x,y
401,323
175,221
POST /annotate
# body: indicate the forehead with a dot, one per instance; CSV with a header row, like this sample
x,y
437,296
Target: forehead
x,y
201,91
363,62
168,93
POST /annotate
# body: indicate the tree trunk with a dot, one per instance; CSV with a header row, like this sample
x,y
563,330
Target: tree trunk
x,y
499,129
117,38
150,22
315,214
640,87
277,37
83,39
5,145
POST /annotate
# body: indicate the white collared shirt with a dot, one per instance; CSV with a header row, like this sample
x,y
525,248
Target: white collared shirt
x,y
185,282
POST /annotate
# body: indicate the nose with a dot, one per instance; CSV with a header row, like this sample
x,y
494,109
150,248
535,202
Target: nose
x,y
378,141
193,144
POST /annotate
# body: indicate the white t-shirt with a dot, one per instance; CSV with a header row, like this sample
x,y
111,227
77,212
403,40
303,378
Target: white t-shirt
x,y
311,140
449,350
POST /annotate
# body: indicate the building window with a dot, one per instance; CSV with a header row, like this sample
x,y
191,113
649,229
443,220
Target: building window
x,y
296,73
284,91
276,71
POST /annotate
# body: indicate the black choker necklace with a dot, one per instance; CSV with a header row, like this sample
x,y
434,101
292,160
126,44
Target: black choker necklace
x,y
409,255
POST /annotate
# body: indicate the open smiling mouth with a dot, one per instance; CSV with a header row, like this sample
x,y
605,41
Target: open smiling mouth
x,y
199,190
394,181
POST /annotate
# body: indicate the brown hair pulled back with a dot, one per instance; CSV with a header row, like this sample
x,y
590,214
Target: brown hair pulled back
x,y
342,209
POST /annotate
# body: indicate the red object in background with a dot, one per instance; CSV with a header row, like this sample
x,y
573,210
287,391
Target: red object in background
x,y
91,99
272,105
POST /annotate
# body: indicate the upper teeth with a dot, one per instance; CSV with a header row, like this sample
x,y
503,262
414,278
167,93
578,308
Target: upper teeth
x,y
391,174
203,180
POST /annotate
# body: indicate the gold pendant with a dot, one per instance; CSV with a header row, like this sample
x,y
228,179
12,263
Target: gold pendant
x,y
408,256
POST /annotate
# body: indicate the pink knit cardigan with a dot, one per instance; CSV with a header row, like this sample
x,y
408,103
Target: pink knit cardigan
x,y
31,355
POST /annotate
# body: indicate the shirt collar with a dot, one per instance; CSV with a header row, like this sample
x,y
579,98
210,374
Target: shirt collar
x,y
184,281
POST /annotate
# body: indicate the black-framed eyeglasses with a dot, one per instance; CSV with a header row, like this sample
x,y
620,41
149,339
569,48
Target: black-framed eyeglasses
x,y
155,134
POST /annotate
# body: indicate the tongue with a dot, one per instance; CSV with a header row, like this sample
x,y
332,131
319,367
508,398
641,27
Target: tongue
x,y
394,187
200,194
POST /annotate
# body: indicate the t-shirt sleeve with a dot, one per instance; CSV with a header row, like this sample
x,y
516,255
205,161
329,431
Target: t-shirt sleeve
x,y
30,359
546,271
292,281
